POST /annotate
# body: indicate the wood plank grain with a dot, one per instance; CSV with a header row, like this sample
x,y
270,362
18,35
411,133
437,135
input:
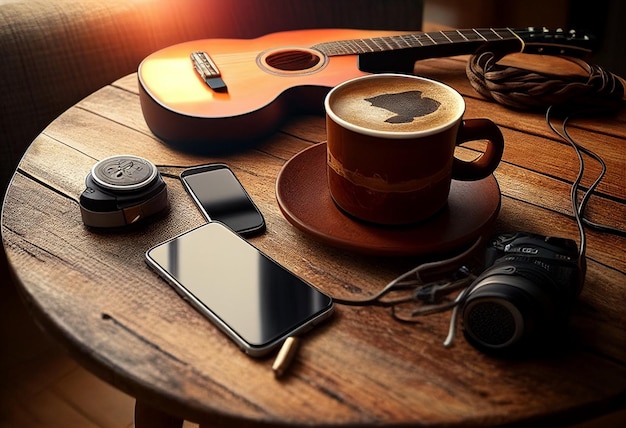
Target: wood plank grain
x,y
551,156
524,132
164,307
94,293
553,195
546,189
428,379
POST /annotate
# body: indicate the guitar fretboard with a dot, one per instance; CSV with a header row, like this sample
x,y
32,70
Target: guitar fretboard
x,y
417,40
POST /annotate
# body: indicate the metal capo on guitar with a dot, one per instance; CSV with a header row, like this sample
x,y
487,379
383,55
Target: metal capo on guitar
x,y
208,71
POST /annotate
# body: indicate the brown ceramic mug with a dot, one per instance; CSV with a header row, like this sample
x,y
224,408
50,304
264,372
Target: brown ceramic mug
x,y
391,142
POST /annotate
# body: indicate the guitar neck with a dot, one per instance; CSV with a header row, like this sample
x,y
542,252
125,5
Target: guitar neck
x,y
399,53
453,42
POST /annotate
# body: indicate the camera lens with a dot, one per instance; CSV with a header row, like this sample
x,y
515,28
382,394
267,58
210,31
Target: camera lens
x,y
522,299
500,313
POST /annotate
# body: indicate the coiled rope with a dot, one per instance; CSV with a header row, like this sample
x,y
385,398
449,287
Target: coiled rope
x,y
598,92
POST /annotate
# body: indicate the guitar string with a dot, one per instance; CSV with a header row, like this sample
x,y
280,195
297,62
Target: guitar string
x,y
415,40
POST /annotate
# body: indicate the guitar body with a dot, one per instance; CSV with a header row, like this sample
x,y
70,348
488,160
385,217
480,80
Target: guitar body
x,y
248,87
267,79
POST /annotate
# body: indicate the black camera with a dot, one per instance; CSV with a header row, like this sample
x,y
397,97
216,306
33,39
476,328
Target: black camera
x,y
524,295
122,190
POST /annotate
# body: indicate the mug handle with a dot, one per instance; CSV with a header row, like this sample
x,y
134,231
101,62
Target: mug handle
x,y
485,164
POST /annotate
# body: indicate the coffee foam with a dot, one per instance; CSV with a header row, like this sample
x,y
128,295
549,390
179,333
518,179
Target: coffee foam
x,y
395,104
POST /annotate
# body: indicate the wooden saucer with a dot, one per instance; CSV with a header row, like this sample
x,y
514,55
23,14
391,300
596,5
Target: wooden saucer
x,y
304,199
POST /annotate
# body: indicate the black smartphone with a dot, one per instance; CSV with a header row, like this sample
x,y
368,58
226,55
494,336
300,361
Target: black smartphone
x,y
221,197
254,300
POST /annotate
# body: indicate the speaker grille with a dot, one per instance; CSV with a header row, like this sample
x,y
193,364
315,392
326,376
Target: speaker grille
x,y
491,323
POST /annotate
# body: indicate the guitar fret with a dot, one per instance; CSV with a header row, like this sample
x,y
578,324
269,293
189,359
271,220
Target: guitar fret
x,y
443,33
509,34
415,40
496,33
426,40
439,38
337,48
397,43
460,33
408,40
471,35
382,44
328,48
355,46
480,35
454,36
430,38
342,47
375,44
371,45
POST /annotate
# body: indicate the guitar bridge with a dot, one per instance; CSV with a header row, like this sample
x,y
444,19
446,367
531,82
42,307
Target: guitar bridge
x,y
208,71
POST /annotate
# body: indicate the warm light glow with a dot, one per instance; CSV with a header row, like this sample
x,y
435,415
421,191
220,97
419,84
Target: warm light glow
x,y
178,82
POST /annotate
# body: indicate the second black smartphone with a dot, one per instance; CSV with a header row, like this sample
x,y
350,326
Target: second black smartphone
x,y
220,196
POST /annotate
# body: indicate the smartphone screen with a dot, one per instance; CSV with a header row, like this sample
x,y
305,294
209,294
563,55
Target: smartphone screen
x,y
250,297
221,197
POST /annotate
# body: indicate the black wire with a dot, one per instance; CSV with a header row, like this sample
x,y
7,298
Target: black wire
x,y
588,194
574,189
579,208
169,174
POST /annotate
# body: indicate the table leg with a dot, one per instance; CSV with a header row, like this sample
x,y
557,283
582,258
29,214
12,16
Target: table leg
x,y
148,417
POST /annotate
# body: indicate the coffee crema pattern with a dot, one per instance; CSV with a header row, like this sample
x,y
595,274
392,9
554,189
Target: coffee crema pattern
x,y
404,106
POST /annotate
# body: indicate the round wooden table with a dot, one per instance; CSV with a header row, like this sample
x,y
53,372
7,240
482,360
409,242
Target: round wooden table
x,y
92,291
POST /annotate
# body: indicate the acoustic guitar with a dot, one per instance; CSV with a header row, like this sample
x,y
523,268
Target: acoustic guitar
x,y
212,94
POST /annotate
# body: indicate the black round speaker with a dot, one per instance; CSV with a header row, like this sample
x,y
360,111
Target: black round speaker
x,y
502,312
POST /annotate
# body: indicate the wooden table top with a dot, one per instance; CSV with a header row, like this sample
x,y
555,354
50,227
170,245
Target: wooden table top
x,y
93,292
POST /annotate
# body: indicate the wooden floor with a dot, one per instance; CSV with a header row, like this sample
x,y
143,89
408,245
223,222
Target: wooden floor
x,y
41,387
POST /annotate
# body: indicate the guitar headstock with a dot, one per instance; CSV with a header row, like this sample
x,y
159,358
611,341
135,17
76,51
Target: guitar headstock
x,y
540,40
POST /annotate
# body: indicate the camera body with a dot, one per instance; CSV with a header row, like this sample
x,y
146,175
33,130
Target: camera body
x,y
524,295
122,190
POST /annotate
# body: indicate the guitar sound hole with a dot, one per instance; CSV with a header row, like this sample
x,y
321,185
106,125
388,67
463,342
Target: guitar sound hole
x,y
292,60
